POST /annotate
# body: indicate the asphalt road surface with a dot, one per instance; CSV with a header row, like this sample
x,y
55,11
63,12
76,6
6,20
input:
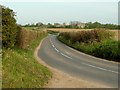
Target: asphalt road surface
x,y
77,64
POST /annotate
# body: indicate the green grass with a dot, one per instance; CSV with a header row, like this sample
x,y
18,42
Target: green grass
x,y
35,28
107,49
30,28
21,69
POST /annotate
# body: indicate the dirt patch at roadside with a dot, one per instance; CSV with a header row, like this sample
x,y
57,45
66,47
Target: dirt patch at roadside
x,y
63,80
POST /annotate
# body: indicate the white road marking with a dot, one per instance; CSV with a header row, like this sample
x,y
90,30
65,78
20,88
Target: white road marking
x,y
53,45
56,49
59,51
90,55
65,56
99,68
82,63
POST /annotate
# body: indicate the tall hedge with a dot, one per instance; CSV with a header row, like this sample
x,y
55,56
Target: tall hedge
x,y
9,28
96,35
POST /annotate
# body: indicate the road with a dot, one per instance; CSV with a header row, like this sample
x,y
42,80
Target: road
x,y
77,64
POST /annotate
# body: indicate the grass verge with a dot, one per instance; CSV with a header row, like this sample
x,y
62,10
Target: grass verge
x,y
21,70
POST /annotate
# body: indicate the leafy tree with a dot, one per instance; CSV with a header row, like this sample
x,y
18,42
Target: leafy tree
x,y
9,27
91,25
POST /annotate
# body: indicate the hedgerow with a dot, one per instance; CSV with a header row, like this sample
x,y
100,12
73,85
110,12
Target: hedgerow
x,y
87,36
99,43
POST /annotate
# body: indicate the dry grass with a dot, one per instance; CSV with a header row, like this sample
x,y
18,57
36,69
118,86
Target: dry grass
x,y
117,32
88,36
66,30
25,37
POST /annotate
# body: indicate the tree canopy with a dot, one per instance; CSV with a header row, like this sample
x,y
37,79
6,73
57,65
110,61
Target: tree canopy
x,y
9,27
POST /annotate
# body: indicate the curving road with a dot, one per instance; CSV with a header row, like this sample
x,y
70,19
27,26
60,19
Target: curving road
x,y
77,64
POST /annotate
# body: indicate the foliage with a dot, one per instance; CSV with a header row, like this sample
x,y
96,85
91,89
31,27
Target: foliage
x,y
87,36
108,50
95,43
91,25
21,70
37,25
30,25
74,25
9,28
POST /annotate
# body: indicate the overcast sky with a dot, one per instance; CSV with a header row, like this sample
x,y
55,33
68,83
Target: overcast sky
x,y
50,12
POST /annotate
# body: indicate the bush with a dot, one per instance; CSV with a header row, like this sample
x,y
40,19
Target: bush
x,y
9,28
21,70
87,36
109,50
97,43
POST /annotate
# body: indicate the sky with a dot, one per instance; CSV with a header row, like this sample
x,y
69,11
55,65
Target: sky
x,y
64,11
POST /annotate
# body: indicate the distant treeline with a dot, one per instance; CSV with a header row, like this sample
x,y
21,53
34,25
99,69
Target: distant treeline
x,y
91,25
74,25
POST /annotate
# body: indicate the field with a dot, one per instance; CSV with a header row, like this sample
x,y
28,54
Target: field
x,y
66,30
117,32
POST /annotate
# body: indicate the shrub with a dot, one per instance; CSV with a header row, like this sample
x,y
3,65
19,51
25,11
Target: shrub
x,y
9,28
87,36
96,42
109,50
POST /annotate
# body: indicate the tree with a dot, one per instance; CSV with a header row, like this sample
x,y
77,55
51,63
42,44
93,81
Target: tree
x,y
97,25
39,24
9,27
49,25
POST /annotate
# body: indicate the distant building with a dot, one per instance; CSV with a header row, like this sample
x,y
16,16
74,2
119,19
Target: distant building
x,y
57,25
77,23
81,25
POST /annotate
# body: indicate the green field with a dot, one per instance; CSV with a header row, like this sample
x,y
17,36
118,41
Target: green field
x,y
30,28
